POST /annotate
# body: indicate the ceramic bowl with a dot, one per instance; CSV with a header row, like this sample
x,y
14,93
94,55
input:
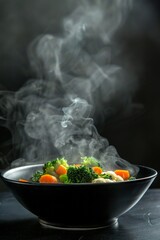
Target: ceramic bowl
x,y
77,206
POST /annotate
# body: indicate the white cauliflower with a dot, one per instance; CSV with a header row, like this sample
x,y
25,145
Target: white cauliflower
x,y
114,176
102,180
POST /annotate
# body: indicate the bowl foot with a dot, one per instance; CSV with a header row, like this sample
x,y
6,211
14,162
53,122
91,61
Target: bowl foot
x,y
112,223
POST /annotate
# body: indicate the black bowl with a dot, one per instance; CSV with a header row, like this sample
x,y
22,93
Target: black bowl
x,y
77,206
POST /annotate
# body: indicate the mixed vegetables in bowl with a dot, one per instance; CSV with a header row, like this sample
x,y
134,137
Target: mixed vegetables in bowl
x,y
89,170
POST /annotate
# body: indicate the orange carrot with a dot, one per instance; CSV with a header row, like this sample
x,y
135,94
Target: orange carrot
x,y
97,170
47,178
125,174
23,180
61,170
77,165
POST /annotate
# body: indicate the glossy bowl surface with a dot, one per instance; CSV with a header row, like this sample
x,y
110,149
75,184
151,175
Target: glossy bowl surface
x,y
77,206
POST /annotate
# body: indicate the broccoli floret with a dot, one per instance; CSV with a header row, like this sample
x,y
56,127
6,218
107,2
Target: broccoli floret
x,y
82,174
59,161
36,176
48,167
63,178
106,176
90,162
131,178
51,166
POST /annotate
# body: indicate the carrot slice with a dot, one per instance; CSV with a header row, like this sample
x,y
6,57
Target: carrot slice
x,y
47,178
77,165
97,170
125,174
61,170
23,180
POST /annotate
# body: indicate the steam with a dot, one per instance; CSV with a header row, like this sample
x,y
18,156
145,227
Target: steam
x,y
81,61
76,77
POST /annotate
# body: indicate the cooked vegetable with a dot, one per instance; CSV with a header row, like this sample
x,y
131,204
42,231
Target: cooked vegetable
x,y
87,171
47,178
125,174
36,176
77,165
105,175
97,170
61,170
101,180
52,166
113,176
131,178
90,162
23,180
82,174
63,178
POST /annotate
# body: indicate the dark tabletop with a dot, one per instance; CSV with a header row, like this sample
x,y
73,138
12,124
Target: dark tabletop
x,y
142,222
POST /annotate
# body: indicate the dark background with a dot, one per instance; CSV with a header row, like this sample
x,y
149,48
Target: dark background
x,y
136,136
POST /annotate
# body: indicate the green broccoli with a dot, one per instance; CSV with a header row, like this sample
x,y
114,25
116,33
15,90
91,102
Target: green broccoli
x,y
90,162
63,178
36,176
60,161
131,178
106,176
50,166
82,174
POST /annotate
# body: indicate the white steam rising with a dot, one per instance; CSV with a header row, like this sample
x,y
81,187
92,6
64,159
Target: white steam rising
x,y
81,61
51,115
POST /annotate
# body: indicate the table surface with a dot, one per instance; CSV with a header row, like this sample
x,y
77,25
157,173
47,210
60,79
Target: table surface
x,y
141,222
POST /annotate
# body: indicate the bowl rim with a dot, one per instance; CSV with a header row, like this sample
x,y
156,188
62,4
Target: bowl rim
x,y
5,179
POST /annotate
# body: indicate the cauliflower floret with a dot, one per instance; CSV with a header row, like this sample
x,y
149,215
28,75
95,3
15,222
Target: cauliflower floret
x,y
119,178
114,176
102,180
